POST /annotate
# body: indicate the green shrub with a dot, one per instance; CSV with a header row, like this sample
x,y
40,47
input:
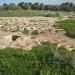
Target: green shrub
x,y
25,31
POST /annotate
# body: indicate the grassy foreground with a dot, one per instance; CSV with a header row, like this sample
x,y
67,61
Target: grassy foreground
x,y
68,26
45,59
30,13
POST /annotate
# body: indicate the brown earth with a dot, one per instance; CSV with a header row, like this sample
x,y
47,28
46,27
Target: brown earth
x,y
44,25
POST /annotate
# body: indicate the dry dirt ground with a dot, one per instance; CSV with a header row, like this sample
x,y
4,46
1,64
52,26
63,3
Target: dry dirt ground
x,y
45,25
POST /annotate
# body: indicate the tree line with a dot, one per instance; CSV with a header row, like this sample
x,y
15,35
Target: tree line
x,y
68,6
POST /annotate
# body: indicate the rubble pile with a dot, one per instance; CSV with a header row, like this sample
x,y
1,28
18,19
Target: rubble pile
x,y
11,33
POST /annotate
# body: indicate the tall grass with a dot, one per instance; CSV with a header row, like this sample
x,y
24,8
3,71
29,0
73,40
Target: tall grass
x,y
44,59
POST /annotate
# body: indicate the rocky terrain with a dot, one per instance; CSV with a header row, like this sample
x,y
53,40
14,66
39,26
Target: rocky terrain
x,y
11,35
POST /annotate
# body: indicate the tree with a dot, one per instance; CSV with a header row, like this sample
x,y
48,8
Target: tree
x,y
35,6
41,6
72,7
5,6
20,4
12,6
68,6
65,6
24,5
46,7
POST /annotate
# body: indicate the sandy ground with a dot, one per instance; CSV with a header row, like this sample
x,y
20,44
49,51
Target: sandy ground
x,y
28,41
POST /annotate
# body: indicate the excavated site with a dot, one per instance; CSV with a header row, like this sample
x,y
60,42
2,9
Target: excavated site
x,y
11,35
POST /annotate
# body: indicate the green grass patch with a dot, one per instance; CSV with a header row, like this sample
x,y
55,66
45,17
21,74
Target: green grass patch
x,y
30,13
44,59
51,15
68,26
